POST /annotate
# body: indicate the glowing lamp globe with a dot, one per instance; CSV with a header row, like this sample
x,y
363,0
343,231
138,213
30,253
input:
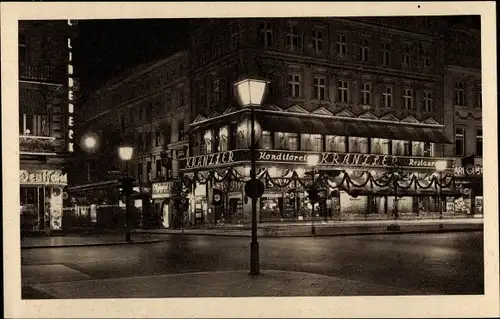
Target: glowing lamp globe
x,y
312,160
440,166
251,91
125,152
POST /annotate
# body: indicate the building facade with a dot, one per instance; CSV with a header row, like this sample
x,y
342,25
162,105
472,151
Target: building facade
x,y
147,106
46,107
363,95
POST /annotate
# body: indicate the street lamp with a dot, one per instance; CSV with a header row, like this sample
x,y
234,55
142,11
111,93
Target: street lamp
x,y
125,152
312,161
250,93
440,167
90,144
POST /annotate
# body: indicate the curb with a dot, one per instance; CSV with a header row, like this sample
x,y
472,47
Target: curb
x,y
95,244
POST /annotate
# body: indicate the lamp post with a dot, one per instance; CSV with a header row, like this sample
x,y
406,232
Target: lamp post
x,y
89,143
250,93
440,167
312,161
125,152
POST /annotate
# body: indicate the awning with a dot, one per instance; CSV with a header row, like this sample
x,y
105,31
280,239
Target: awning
x,y
31,101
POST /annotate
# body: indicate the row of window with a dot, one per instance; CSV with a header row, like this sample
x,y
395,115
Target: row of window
x,y
460,96
317,143
146,140
318,37
460,145
158,173
320,93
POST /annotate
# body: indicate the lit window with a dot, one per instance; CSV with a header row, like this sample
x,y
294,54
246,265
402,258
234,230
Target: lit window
x,y
266,34
400,148
387,94
386,54
223,139
335,143
208,138
342,91
417,148
292,37
428,149
460,94
358,144
292,141
281,141
408,99
428,104
380,146
266,141
317,39
294,85
34,124
312,142
319,87
341,45
363,50
459,141
366,94
479,142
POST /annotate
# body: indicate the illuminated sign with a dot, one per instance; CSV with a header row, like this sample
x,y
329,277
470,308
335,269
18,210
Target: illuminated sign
x,y
52,177
468,170
325,159
162,190
71,101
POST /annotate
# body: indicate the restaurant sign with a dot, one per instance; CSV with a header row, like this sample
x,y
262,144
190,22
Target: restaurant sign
x,y
325,158
162,190
46,177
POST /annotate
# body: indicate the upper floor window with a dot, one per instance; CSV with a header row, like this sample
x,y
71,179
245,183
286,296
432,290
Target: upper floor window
x,y
317,40
380,146
149,171
223,144
294,85
426,61
405,56
358,144
266,34
363,50
158,167
479,142
234,31
428,101
34,124
266,141
292,37
208,142
181,96
319,87
386,53
460,94
343,91
181,129
158,138
335,143
217,92
387,94
408,99
312,142
366,94
400,148
459,141
341,45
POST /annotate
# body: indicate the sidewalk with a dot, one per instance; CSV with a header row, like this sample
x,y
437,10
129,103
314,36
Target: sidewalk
x,y
332,228
85,240
213,284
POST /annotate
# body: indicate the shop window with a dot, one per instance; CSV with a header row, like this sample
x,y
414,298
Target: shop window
x,y
292,37
34,124
312,142
343,91
417,148
223,139
366,94
479,142
294,85
208,141
429,149
459,141
358,144
280,140
387,94
386,54
400,148
335,143
293,142
319,87
380,146
459,94
266,141
341,45
317,40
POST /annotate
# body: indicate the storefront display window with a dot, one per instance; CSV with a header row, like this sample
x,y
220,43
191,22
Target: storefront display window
x,y
358,144
380,146
270,209
293,142
335,143
223,139
208,139
312,142
400,148
266,141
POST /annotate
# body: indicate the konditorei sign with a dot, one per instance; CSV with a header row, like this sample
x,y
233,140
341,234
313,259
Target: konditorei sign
x,y
45,177
326,158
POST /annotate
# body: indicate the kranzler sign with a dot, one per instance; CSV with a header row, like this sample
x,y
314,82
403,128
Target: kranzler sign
x,y
325,159
46,177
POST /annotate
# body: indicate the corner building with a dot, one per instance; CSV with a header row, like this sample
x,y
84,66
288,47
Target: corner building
x,y
363,94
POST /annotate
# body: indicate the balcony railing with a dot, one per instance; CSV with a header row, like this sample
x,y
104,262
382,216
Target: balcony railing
x,y
38,144
41,72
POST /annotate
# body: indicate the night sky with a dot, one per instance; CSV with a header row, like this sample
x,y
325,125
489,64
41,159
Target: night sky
x,y
104,48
